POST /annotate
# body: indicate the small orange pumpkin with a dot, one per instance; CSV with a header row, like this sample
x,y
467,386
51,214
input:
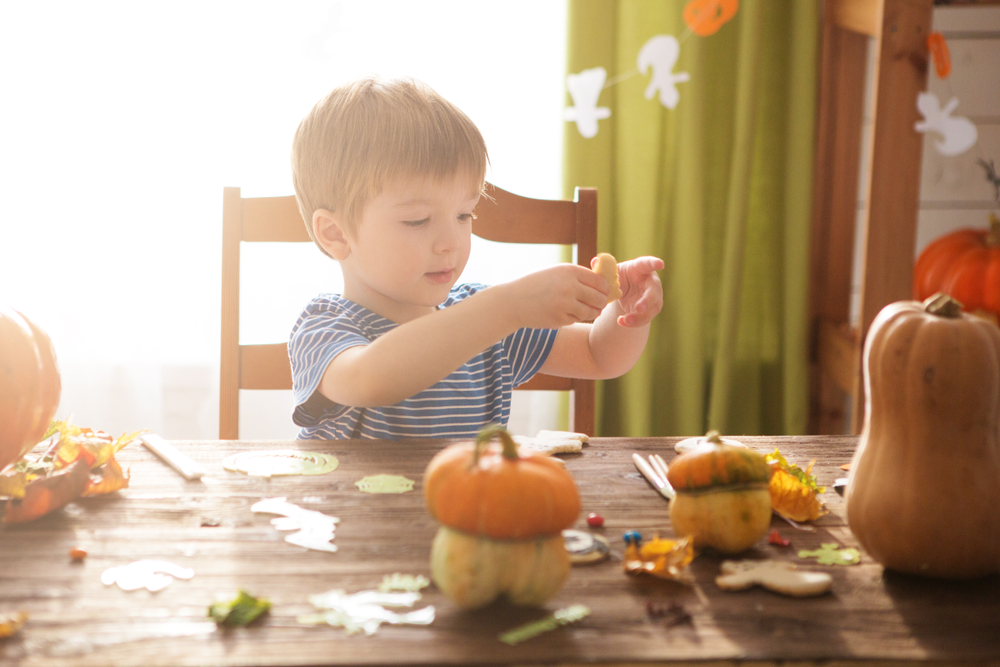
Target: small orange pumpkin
x,y
493,490
964,265
29,385
503,514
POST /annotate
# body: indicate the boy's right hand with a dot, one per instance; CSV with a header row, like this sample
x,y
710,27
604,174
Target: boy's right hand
x,y
557,296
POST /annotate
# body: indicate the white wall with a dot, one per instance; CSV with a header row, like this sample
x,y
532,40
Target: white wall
x,y
122,122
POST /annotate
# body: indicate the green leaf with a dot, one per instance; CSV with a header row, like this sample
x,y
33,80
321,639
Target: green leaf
x,y
240,611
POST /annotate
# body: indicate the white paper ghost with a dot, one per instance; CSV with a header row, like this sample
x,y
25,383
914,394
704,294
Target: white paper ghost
x,y
661,54
314,530
585,88
959,133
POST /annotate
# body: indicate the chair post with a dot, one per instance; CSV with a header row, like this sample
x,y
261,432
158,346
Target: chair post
x,y
229,358
583,397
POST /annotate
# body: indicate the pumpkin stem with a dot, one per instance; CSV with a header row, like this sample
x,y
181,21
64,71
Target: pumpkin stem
x,y
942,305
713,437
489,434
993,236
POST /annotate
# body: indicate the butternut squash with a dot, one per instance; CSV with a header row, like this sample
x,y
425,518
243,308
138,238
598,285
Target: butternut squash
x,y
923,494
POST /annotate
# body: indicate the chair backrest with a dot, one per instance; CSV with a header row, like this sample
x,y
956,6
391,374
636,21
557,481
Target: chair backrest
x,y
503,217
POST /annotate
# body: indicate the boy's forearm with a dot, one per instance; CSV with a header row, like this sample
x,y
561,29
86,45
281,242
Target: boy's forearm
x,y
419,353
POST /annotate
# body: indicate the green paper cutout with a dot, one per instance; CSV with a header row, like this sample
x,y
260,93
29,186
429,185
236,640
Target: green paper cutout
x,y
829,554
281,462
556,620
403,582
240,611
385,484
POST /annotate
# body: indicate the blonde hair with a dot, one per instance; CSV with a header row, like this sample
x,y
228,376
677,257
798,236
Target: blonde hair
x,y
367,133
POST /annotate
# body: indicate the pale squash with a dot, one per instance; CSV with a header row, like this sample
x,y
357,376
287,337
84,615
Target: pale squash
x,y
923,494
503,513
722,499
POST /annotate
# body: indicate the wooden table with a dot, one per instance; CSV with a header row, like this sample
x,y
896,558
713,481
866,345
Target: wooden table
x,y
871,615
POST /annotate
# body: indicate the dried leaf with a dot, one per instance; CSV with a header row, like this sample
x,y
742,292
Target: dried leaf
x,y
111,479
667,559
793,490
13,483
12,623
829,554
47,494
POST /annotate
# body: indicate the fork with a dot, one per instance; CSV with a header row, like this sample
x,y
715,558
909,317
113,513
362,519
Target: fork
x,y
655,472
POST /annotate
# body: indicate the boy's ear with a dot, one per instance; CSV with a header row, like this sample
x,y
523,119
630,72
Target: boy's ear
x,y
330,233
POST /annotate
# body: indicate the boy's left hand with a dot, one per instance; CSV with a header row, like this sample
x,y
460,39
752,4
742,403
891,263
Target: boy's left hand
x,y
642,293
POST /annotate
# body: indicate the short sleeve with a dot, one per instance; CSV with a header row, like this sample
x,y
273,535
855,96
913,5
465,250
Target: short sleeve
x,y
527,350
321,333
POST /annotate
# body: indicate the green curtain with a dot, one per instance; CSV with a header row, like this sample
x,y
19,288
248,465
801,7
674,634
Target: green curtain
x,y
718,187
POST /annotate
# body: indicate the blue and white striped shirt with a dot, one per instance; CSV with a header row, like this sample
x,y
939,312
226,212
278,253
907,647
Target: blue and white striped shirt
x,y
474,396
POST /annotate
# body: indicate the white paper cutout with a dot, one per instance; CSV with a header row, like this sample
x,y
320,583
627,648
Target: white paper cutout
x,y
959,133
153,575
366,610
661,53
314,529
585,88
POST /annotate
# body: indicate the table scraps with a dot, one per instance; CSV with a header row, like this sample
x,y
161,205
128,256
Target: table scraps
x,y
829,554
403,582
11,624
384,484
366,610
153,575
314,530
241,611
281,462
551,622
667,559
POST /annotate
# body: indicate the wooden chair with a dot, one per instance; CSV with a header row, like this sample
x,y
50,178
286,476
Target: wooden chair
x,y
503,217
890,190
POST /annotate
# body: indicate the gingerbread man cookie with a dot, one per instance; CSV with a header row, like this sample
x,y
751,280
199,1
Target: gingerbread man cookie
x,y
779,576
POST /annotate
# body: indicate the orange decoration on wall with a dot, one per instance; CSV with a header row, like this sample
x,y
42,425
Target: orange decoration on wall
x,y
705,17
939,51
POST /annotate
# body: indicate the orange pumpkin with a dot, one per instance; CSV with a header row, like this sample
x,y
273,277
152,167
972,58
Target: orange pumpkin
x,y
503,514
29,385
492,490
965,265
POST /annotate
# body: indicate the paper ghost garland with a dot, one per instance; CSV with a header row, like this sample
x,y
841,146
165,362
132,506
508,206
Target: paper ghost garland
x,y
661,54
703,18
585,88
959,133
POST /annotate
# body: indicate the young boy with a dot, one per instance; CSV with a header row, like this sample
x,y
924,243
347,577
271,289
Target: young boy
x,y
387,175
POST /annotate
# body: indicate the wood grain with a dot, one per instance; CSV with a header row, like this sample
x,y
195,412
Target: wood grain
x,y
871,615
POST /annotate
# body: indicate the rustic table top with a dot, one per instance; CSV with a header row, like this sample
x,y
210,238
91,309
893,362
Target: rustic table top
x,y
207,525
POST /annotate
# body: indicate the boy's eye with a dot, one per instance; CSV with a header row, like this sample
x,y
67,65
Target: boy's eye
x,y
467,217
416,223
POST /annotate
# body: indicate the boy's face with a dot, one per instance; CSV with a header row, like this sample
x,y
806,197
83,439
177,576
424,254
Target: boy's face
x,y
410,246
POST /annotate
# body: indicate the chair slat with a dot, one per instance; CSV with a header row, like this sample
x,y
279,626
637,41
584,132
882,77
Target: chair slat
x,y
267,219
509,218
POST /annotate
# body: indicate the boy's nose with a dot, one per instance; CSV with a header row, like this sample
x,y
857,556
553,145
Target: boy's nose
x,y
447,239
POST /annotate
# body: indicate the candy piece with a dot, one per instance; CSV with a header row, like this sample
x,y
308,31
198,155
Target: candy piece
x,y
607,268
778,576
595,520
77,553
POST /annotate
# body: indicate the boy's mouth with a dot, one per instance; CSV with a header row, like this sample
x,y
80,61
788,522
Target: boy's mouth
x,y
440,277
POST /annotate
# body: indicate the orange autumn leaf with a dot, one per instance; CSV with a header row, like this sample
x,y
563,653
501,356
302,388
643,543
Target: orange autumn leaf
x,y
112,479
47,494
792,499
